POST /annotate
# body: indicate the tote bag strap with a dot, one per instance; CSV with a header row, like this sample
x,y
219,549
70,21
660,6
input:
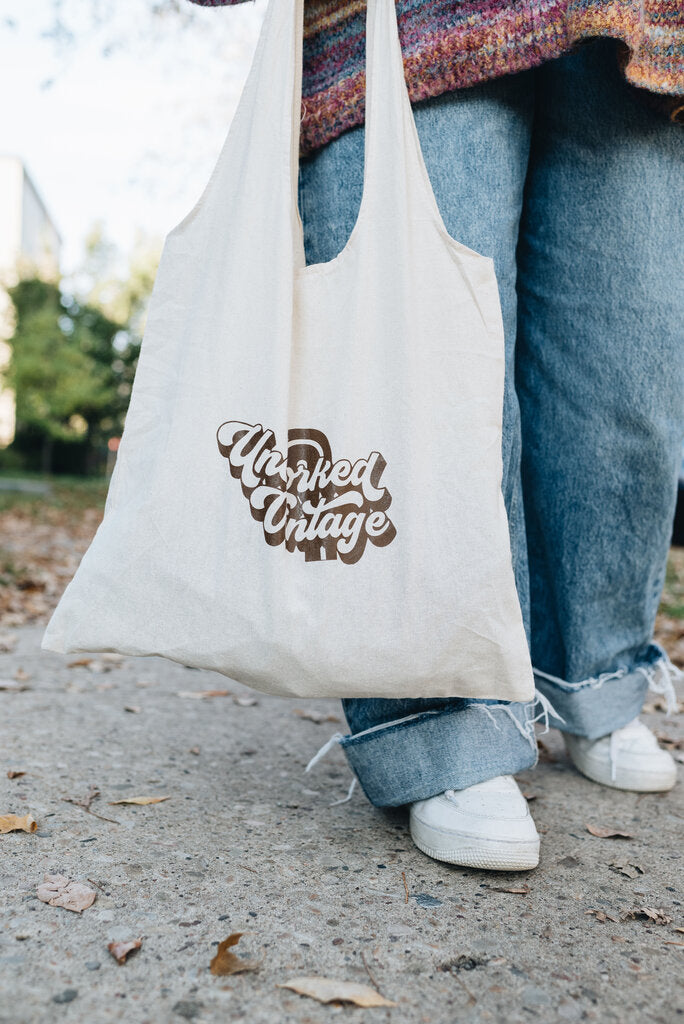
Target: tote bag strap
x,y
257,172
393,160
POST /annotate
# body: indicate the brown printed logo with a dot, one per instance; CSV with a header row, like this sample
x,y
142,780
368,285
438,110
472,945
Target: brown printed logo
x,y
305,500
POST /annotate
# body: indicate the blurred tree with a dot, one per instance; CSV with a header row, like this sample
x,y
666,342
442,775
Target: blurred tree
x,y
71,369
121,292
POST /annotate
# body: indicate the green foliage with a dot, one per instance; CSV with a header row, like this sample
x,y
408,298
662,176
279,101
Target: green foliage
x,y
71,368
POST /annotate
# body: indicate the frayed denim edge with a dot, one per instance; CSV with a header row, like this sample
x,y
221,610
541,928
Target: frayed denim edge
x,y
526,729
660,675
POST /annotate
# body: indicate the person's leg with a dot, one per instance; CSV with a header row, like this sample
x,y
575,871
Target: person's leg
x,y
475,143
600,380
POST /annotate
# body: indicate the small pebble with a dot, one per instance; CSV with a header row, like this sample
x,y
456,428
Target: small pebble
x,y
187,1008
67,996
93,965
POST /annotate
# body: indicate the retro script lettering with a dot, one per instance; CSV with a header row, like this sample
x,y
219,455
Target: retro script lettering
x,y
303,498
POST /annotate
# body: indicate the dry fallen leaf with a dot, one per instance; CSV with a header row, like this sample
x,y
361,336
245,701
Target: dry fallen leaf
x,y
112,658
605,832
13,823
315,716
13,686
628,870
545,753
144,684
330,990
202,694
648,914
520,890
671,742
120,950
92,794
60,891
602,916
659,704
14,773
194,750
141,800
21,675
226,962
79,663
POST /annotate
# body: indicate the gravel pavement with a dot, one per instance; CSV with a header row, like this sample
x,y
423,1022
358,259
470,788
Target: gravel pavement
x,y
247,842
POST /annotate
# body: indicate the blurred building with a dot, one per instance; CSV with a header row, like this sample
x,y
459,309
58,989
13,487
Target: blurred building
x,y
29,244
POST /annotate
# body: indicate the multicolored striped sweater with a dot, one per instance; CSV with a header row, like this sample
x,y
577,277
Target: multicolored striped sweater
x,y
449,44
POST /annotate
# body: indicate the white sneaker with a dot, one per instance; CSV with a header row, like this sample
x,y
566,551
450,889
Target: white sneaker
x,y
628,758
484,826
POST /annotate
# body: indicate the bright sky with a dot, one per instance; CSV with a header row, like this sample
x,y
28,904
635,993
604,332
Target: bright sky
x,y
129,139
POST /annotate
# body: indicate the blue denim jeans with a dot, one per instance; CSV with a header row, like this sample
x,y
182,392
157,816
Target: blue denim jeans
x,y
573,184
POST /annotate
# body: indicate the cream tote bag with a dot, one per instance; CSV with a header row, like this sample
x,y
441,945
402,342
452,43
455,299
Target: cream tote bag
x,y
307,495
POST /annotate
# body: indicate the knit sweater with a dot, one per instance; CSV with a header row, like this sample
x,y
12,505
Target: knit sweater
x,y
449,44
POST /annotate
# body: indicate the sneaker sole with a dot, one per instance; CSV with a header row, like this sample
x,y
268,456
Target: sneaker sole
x,y
634,781
479,853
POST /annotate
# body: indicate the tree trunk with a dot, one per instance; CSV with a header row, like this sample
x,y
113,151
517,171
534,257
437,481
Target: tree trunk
x,y
46,454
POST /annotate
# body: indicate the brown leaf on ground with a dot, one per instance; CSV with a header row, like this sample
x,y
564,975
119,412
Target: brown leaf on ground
x,y
79,663
60,891
545,753
226,962
22,676
330,990
659,704
315,716
202,694
14,773
113,658
142,801
518,890
670,742
85,804
628,870
120,950
646,914
13,823
606,832
92,794
602,916
194,750
12,686
43,543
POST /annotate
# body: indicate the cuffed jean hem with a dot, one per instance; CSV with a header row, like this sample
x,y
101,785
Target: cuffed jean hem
x,y
422,755
599,705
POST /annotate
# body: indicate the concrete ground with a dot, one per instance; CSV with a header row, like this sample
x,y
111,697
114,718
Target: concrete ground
x,y
248,843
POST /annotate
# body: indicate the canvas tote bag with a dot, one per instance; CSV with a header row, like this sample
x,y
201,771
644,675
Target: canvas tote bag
x,y
307,495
